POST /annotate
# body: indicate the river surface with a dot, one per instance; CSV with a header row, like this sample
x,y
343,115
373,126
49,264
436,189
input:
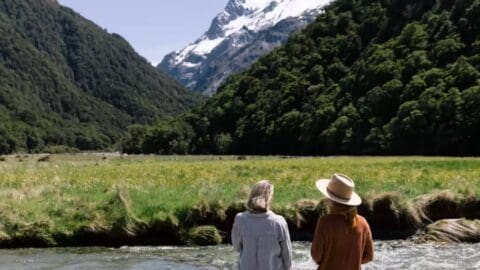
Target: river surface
x,y
389,255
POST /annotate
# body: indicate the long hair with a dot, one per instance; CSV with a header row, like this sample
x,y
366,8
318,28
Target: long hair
x,y
349,212
260,197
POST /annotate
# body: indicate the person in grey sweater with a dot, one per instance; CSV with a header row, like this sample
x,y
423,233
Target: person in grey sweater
x,y
261,236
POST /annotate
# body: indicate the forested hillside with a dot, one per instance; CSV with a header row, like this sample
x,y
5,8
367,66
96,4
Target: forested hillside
x,y
368,77
66,82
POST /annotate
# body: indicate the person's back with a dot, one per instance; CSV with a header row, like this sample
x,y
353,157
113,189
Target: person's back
x,y
263,241
260,236
342,239
338,245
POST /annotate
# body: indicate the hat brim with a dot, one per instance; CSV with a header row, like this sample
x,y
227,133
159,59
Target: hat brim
x,y
322,184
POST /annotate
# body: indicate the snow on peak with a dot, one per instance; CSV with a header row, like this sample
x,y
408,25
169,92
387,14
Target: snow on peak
x,y
251,15
260,14
255,4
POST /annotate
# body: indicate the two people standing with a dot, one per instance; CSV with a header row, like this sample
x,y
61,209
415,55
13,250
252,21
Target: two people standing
x,y
342,239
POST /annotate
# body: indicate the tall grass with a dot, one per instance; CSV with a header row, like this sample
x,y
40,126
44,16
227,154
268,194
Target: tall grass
x,y
73,191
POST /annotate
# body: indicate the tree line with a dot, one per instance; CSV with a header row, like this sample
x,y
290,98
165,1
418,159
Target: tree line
x,y
67,84
367,77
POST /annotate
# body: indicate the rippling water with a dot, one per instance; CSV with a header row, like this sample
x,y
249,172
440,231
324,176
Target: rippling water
x,y
389,255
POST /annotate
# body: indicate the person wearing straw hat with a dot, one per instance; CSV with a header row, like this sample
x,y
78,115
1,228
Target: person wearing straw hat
x,y
342,239
259,235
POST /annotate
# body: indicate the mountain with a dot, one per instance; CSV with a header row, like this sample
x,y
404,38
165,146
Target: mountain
x,y
397,77
65,81
244,31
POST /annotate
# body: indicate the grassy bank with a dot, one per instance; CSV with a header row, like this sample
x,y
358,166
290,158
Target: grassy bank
x,y
71,199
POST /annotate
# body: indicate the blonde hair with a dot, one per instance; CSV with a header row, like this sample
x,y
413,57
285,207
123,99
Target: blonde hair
x,y
349,212
260,197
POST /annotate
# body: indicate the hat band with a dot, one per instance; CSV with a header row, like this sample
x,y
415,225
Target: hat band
x,y
336,195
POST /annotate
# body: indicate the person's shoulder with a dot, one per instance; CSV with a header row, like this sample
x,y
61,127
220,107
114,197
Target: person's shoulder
x,y
362,221
360,218
241,215
278,218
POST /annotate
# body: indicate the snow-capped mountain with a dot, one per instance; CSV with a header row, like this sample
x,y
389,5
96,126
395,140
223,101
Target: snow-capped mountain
x,y
238,36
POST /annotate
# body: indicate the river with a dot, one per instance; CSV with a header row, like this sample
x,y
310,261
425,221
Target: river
x,y
389,255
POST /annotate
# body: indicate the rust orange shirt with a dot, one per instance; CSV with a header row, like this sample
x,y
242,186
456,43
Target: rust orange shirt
x,y
338,246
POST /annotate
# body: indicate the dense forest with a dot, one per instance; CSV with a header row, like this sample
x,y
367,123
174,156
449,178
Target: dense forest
x,y
65,83
367,77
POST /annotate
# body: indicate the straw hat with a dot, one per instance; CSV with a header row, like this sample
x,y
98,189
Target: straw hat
x,y
339,189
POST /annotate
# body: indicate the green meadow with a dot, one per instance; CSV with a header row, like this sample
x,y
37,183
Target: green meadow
x,y
69,192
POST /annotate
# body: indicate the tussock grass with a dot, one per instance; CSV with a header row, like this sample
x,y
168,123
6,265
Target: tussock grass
x,y
452,230
203,236
126,199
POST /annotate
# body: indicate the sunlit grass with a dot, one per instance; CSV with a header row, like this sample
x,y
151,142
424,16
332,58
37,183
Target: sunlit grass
x,y
69,189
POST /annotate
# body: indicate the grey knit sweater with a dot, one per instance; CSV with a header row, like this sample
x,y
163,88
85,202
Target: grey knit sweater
x,y
263,241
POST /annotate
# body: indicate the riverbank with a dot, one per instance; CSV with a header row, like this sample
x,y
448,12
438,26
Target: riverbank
x,y
100,200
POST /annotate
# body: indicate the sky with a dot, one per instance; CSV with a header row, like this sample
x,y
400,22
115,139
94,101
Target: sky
x,y
153,27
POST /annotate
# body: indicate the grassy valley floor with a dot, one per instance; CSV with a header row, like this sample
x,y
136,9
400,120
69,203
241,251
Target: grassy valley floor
x,y
97,199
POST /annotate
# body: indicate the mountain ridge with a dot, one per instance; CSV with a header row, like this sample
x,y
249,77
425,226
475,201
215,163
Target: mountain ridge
x,y
398,77
201,66
65,81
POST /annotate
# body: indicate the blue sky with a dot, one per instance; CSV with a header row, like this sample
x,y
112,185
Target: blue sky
x,y
153,27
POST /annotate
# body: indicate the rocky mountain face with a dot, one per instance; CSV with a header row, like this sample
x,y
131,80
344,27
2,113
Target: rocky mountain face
x,y
244,31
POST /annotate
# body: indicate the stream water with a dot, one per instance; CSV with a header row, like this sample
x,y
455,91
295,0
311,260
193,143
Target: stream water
x,y
389,255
